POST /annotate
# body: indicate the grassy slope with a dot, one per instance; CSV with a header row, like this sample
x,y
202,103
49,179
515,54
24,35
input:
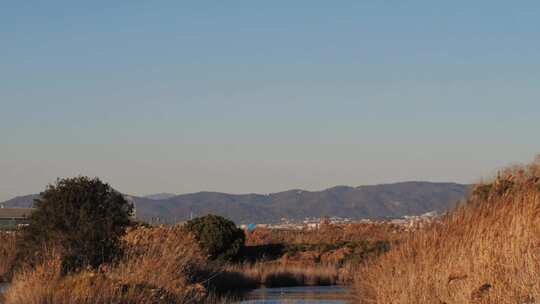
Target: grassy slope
x,y
487,251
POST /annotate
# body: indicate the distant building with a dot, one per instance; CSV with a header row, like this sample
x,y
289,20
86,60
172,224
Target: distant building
x,y
11,218
313,226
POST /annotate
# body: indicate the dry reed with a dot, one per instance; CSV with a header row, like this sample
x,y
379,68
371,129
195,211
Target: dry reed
x,y
7,254
158,267
486,251
281,275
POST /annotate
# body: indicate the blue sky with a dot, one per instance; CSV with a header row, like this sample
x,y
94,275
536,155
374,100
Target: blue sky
x,y
252,96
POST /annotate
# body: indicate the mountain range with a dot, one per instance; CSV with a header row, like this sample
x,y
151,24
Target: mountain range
x,y
375,201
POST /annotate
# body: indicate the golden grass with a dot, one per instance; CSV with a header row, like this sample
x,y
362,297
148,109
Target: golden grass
x,y
280,275
158,267
486,251
328,256
7,254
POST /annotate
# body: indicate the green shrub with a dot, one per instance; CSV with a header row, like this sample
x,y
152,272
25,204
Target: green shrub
x,y
218,236
83,218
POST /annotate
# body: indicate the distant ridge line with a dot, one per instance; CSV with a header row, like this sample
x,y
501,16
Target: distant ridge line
x,y
366,201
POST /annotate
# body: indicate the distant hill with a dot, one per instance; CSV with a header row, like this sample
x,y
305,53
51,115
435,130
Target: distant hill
x,y
377,201
21,201
160,196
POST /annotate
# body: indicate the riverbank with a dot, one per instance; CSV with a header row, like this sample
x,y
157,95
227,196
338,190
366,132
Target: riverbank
x,y
269,259
288,258
131,262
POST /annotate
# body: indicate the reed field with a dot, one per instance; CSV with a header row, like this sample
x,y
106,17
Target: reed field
x,y
7,254
159,265
485,251
281,275
164,264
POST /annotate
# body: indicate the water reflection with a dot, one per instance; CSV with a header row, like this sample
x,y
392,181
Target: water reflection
x,y
299,295
3,287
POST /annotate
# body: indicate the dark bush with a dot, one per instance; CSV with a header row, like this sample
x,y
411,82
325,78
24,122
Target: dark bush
x,y
84,218
218,236
265,252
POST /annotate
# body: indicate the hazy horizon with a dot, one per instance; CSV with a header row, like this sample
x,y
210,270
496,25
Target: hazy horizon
x,y
264,97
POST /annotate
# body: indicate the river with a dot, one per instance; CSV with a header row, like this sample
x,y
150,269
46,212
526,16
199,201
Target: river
x,y
287,295
3,287
298,295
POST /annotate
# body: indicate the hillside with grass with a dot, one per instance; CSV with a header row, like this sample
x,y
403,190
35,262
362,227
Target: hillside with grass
x,y
485,251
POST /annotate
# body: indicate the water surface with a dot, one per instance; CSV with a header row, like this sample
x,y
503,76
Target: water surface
x,y
298,295
3,287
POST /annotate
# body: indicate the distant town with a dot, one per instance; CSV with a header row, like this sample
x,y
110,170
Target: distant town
x,y
11,218
312,223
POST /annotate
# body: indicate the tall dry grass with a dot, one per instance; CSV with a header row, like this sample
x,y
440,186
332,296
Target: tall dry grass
x,y
486,251
7,254
281,275
329,255
159,266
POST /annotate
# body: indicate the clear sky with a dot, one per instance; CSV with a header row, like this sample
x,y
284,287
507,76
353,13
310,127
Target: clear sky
x,y
262,96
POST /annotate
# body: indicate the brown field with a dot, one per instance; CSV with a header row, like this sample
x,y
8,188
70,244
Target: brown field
x,y
486,251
